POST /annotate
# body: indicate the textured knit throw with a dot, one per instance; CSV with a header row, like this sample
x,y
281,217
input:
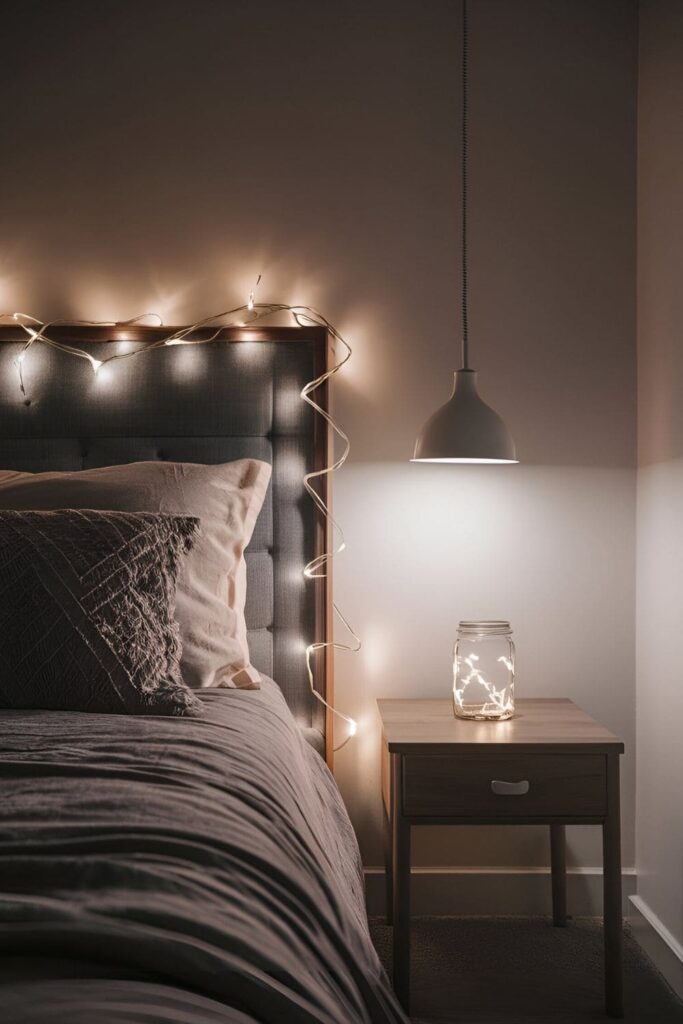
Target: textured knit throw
x,y
87,611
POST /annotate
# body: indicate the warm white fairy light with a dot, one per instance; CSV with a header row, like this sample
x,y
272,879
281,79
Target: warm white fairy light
x,y
499,701
250,303
38,332
304,316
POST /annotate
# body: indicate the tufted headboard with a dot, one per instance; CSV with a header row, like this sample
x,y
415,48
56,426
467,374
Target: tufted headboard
x,y
235,397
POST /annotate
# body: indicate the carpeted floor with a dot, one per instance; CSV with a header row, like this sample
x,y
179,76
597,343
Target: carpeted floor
x,y
509,970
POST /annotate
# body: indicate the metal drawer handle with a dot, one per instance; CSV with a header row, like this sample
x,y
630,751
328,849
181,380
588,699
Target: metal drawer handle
x,y
510,788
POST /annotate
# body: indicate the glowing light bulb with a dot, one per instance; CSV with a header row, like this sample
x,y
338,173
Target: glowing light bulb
x,y
95,363
353,727
21,356
250,303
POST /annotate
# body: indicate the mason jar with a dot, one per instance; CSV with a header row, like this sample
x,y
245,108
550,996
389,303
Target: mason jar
x,y
484,670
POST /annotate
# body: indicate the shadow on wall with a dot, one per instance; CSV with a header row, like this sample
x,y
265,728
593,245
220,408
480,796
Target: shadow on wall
x,y
190,147
660,371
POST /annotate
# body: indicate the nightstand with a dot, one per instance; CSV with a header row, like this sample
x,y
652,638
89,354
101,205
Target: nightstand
x,y
551,764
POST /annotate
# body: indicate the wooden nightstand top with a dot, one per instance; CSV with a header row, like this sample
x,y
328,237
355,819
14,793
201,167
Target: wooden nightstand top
x,y
539,725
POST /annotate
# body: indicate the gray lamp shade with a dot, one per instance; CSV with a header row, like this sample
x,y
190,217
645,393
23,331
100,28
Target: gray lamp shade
x,y
465,429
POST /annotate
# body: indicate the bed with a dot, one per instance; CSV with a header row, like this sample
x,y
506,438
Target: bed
x,y
187,869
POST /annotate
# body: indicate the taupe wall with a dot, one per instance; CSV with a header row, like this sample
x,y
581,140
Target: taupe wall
x,y
159,154
660,476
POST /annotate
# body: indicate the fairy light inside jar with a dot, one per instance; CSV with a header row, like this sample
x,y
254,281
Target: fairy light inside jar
x,y
484,670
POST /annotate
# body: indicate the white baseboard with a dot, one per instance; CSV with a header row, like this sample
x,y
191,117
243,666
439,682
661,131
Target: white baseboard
x,y
663,948
496,891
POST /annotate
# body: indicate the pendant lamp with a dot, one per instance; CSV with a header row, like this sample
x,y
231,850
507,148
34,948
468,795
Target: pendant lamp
x,y
465,429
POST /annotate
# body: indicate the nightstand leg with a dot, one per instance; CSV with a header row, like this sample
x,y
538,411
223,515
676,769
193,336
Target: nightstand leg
x,y
388,867
611,866
400,844
558,868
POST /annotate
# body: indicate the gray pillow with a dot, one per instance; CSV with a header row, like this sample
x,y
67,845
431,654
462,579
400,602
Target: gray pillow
x,y
86,611
212,584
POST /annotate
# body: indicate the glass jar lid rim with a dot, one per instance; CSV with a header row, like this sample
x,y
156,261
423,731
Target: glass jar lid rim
x,y
484,626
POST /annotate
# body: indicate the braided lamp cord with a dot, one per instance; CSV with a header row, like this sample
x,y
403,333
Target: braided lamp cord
x,y
465,98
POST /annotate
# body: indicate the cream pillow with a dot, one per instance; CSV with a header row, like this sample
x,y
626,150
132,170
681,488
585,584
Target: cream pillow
x,y
212,584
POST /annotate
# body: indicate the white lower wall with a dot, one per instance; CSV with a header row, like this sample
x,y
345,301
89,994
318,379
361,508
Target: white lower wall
x,y
497,891
659,699
663,948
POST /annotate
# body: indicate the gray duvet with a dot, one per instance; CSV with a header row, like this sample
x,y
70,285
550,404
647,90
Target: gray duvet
x,y
179,870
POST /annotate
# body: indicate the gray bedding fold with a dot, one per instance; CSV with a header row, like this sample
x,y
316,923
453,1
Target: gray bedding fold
x,y
209,862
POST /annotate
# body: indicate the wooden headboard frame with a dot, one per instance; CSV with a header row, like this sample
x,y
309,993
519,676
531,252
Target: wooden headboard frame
x,y
319,339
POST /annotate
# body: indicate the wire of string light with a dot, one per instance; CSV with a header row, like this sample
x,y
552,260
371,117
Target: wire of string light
x,y
38,332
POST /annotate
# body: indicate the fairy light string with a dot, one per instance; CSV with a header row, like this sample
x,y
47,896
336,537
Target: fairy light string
x,y
38,332
250,303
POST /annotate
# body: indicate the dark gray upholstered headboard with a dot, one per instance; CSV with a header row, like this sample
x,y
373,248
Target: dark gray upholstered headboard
x,y
236,397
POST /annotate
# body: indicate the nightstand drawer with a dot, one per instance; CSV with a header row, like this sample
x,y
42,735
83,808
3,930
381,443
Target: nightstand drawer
x,y
504,785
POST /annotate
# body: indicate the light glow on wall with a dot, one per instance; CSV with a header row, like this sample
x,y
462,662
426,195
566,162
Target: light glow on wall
x,y
187,362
